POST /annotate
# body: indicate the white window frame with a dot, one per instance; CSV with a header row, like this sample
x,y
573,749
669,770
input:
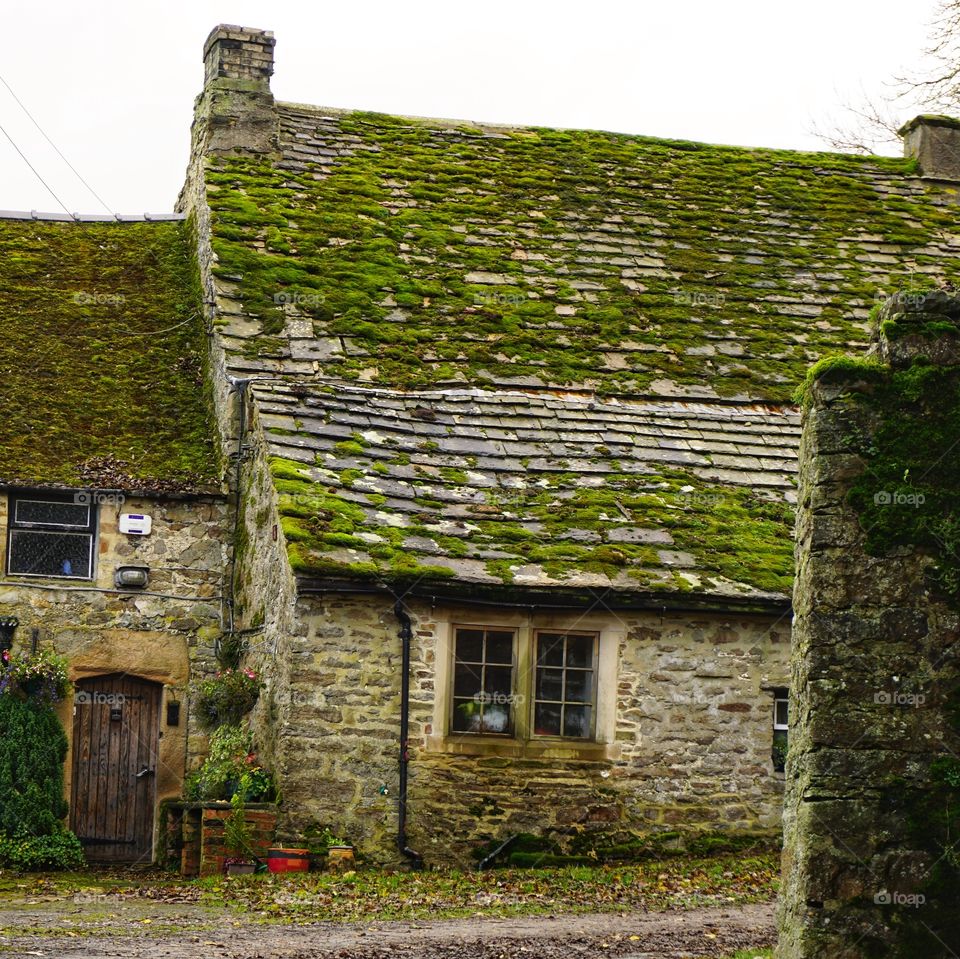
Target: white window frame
x,y
610,636
779,698
14,526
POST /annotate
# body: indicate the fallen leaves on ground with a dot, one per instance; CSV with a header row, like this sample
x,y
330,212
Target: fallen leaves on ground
x,y
372,894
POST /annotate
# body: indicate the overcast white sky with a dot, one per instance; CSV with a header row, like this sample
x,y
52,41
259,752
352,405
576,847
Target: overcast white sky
x,y
113,81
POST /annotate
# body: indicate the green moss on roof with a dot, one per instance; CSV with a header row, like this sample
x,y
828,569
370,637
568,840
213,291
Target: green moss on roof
x,y
734,536
445,254
102,358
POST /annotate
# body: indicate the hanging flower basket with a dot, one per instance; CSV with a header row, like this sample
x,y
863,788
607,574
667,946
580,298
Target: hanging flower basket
x,y
40,676
227,697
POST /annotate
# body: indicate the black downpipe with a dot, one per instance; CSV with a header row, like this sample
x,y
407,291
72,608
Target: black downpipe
x,y
406,635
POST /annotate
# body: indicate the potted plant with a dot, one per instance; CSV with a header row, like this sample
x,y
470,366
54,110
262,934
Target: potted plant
x,y
339,855
326,848
231,767
238,840
40,676
285,859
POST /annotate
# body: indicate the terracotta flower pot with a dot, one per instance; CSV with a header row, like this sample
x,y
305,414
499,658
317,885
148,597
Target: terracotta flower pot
x,y
288,860
339,856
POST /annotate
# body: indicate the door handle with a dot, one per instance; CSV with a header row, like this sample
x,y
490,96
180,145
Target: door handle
x,y
146,771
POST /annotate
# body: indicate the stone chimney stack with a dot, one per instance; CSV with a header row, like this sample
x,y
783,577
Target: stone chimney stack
x,y
235,113
239,53
934,141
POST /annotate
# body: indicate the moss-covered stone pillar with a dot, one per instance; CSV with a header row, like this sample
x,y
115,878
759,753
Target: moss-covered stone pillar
x,y
871,859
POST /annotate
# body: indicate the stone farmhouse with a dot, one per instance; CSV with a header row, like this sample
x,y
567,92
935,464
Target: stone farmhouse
x,y
483,438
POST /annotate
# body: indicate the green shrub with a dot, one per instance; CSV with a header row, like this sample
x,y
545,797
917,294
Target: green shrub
x,y
60,850
33,746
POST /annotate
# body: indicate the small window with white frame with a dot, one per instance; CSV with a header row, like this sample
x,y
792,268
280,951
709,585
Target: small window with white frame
x,y
51,535
483,680
565,694
781,727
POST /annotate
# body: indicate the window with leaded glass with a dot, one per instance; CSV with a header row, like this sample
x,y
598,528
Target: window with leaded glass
x,y
565,697
483,677
51,535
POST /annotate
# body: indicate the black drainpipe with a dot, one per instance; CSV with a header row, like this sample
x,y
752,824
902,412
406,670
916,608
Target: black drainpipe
x,y
406,635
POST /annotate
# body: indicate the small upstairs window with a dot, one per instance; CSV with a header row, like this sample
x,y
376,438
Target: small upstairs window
x,y
781,726
51,534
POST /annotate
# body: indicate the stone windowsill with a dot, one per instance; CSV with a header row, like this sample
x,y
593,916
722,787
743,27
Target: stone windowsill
x,y
510,748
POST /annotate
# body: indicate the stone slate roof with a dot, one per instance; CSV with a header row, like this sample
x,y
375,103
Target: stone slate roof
x,y
102,356
413,254
546,357
541,490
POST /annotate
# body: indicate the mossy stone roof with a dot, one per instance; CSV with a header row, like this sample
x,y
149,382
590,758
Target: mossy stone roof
x,y
508,488
441,299
412,254
102,358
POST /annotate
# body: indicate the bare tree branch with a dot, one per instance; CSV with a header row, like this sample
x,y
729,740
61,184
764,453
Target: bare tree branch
x,y
871,126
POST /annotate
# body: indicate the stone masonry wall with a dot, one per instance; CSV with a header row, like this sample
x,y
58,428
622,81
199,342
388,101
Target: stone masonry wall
x,y
266,605
872,802
161,634
689,748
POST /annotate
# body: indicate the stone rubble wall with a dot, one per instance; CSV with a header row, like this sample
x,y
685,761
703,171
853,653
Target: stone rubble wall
x,y
873,666
163,633
691,749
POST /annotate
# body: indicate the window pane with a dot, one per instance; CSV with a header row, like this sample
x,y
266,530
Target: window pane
x,y
576,721
579,688
499,647
50,554
466,716
496,719
52,514
549,650
470,645
547,719
466,680
483,681
550,684
780,712
497,682
580,651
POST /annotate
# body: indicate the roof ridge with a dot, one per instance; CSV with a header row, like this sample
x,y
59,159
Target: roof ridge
x,y
483,129
90,217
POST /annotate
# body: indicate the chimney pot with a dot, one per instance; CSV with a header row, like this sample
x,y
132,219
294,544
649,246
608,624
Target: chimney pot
x,y
934,141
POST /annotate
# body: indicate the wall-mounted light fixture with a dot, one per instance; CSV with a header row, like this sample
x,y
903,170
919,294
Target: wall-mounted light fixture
x,y
8,626
131,577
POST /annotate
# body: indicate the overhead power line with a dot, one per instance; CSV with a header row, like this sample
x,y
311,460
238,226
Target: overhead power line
x,y
43,133
37,175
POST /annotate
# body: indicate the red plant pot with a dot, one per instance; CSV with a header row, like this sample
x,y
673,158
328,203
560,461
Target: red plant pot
x,y
288,860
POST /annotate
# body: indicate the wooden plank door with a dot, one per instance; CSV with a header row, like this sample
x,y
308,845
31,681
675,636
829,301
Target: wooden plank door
x,y
116,732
